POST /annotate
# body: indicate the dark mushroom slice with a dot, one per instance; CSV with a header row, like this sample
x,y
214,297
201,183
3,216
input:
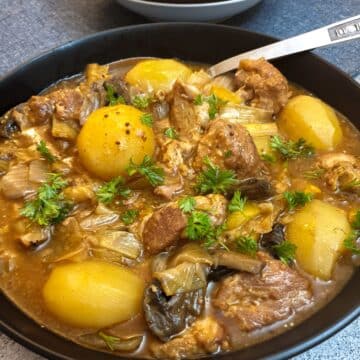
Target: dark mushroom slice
x,y
255,189
8,126
168,316
275,237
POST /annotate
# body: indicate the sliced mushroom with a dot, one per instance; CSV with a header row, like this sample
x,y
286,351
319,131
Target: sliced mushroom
x,y
256,189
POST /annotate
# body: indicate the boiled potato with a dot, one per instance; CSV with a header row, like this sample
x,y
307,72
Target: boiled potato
x,y
93,294
111,137
239,218
226,95
157,74
318,230
309,118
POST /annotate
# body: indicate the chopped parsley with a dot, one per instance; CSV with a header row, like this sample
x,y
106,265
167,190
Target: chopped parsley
x,y
227,154
247,245
285,251
214,102
112,97
313,174
237,203
187,204
270,158
350,241
129,216
297,198
45,152
215,180
49,206
147,119
153,174
200,228
171,133
141,101
291,149
353,183
109,340
111,189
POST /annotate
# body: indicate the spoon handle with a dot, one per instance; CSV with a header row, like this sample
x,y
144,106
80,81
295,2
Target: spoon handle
x,y
347,29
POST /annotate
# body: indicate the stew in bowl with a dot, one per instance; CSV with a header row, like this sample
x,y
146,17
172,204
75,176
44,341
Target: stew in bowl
x,y
161,213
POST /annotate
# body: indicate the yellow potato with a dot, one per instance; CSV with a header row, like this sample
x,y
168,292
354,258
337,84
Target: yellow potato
x,y
309,118
157,74
93,294
111,137
318,230
239,218
226,95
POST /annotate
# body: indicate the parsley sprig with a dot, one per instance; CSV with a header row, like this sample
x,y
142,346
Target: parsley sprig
x,y
112,97
128,217
141,101
297,198
45,152
171,133
350,241
111,189
313,174
215,180
187,204
147,119
214,102
49,206
290,149
285,251
109,340
247,245
237,203
153,173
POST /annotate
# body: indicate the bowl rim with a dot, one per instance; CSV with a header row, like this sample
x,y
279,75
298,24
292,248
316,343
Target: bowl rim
x,y
312,340
185,6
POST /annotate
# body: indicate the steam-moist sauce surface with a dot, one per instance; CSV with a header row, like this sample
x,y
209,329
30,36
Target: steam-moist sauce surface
x,y
28,257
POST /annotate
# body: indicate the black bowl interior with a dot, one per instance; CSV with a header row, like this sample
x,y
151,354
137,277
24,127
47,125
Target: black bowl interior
x,y
200,43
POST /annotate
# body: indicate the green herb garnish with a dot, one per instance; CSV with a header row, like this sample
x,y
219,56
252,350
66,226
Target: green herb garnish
x,y
49,206
297,198
285,251
129,216
314,173
237,203
111,96
147,119
109,340
247,245
227,154
153,174
353,183
270,158
290,149
141,101
187,204
45,152
215,180
171,133
111,189
214,102
350,242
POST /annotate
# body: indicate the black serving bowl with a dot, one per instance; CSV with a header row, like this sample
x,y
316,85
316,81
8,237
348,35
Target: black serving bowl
x,y
200,43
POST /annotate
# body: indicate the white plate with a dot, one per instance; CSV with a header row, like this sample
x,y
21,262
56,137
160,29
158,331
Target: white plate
x,y
214,11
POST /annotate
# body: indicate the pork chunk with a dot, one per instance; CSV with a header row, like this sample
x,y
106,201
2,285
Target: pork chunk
x,y
257,300
229,146
204,336
263,84
163,229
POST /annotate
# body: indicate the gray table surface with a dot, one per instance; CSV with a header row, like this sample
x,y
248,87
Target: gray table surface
x,y
28,28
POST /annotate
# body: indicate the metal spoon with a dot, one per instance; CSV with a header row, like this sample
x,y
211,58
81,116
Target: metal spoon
x,y
347,29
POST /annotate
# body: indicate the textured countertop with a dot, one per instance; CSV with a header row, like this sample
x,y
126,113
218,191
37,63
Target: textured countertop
x,y
30,27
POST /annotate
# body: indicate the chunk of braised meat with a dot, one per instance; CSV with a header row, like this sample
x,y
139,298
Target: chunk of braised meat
x,y
257,300
342,172
229,146
263,84
183,117
167,316
204,336
163,229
